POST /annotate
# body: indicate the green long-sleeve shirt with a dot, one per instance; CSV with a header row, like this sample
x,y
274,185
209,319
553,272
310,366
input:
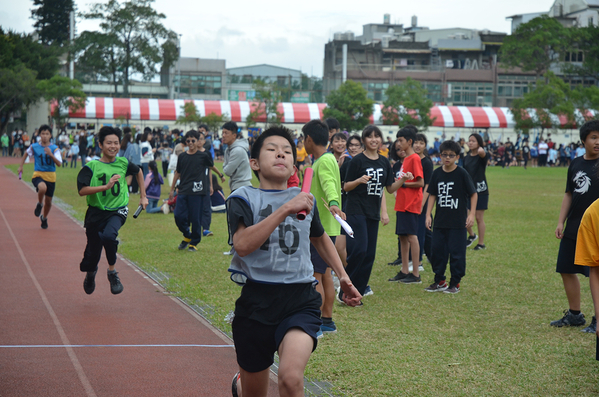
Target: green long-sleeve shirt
x,y
326,183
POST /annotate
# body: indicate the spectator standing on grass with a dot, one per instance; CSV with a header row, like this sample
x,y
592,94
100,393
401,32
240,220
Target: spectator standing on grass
x,y
82,147
580,150
5,144
408,205
278,310
326,189
103,182
396,155
368,173
147,152
582,189
424,235
543,152
195,186
236,163
525,153
476,164
207,210
450,189
74,153
153,184
165,154
133,154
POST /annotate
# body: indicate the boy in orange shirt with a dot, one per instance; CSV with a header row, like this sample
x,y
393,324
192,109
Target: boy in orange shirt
x,y
408,205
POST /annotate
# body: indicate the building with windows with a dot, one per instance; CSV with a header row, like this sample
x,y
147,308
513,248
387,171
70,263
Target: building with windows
x,y
195,78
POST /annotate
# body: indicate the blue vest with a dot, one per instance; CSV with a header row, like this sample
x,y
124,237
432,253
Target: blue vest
x,y
43,162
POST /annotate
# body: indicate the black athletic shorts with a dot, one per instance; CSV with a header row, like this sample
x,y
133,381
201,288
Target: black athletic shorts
x,y
481,204
50,186
406,223
320,266
565,258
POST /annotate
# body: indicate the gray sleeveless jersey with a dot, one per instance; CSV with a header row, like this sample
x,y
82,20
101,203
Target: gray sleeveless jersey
x,y
285,257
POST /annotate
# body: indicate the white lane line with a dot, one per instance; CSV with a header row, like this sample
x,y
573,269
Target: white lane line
x,y
50,346
89,390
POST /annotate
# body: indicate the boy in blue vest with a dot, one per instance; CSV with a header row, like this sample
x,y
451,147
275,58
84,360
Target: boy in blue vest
x,y
46,156
279,307
104,183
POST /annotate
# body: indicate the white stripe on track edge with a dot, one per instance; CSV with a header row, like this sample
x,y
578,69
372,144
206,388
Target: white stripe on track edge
x,y
89,390
51,346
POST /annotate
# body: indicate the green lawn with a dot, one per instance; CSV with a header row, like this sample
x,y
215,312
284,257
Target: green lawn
x,y
491,339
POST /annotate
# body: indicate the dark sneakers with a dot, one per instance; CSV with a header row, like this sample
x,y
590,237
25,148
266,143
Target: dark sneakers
x,y
183,245
399,276
470,240
480,247
437,287
452,289
234,384
115,283
569,319
411,279
89,283
44,222
396,262
592,328
38,209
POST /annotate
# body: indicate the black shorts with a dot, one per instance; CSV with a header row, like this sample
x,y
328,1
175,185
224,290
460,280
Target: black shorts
x,y
50,186
406,223
320,266
256,343
482,204
565,258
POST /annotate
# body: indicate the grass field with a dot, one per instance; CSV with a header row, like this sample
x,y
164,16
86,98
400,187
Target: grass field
x,y
491,339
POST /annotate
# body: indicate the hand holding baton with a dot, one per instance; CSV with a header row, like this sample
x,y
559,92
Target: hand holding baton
x,y
138,211
306,189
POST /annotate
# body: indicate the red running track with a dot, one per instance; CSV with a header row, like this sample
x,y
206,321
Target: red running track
x,y
57,341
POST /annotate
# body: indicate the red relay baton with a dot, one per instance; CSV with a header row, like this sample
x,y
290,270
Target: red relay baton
x,y
306,185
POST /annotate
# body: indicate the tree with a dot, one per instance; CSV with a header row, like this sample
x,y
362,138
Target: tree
x,y
191,115
585,39
214,121
52,20
350,105
551,96
17,91
98,58
535,45
66,93
137,39
265,104
407,103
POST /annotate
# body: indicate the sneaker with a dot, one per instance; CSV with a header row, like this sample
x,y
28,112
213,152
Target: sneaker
x,y
44,222
115,283
399,276
437,287
183,245
89,283
319,334
470,240
338,297
411,279
38,209
207,233
192,248
592,328
452,289
396,262
234,384
420,268
569,319
368,291
329,328
480,247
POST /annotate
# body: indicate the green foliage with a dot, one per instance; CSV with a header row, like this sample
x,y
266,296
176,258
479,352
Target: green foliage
x,y
265,104
350,105
191,115
550,96
52,20
133,40
407,103
17,91
66,93
587,40
214,121
535,45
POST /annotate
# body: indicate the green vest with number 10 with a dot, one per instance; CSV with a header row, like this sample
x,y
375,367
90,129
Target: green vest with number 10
x,y
118,196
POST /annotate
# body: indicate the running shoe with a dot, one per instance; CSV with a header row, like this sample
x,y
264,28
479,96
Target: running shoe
x,y
569,320
89,283
411,279
329,328
452,289
115,283
207,233
592,328
399,276
480,247
183,245
471,240
368,291
234,384
437,287
44,222
192,248
38,209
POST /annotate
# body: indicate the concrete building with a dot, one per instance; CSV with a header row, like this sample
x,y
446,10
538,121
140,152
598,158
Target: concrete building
x,y
195,78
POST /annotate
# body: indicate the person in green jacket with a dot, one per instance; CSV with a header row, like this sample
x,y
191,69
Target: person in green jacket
x,y
104,183
326,184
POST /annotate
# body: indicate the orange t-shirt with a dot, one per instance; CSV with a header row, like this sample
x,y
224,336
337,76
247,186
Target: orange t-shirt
x,y
587,243
410,199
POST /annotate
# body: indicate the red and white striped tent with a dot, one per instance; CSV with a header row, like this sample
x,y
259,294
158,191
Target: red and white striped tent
x,y
293,113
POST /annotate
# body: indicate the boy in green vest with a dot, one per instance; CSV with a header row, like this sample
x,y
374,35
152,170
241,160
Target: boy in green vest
x,y
104,183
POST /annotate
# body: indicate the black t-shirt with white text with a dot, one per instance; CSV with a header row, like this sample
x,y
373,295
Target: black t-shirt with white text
x,y
365,199
453,191
476,165
583,184
195,173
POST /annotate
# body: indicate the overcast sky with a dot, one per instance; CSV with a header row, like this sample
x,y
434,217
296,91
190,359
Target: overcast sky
x,y
293,34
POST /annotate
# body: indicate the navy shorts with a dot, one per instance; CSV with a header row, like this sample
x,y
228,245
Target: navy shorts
x,y
565,258
256,343
319,264
482,204
406,223
50,186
